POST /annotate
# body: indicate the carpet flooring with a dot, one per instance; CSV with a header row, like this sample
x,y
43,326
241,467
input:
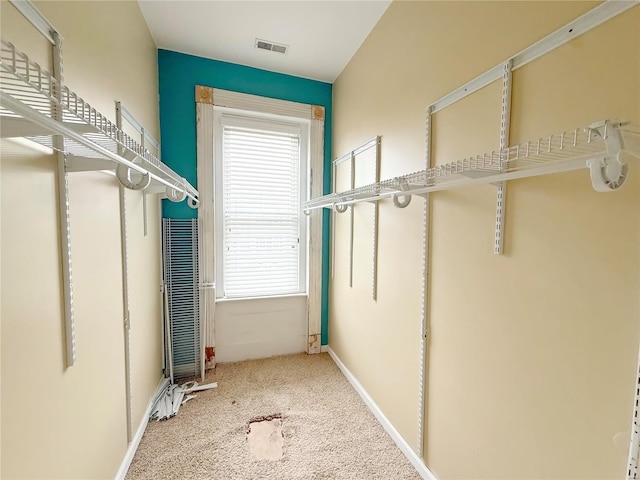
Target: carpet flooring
x,y
328,431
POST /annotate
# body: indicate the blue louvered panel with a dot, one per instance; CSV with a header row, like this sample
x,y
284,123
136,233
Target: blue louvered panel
x,y
180,250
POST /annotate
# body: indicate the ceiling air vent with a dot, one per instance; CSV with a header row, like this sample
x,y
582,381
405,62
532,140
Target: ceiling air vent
x,y
272,47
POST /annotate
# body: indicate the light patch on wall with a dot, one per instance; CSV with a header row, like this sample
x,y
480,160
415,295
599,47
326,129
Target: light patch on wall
x,y
24,142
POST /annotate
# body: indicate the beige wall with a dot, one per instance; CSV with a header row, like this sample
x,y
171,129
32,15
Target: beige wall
x,y
533,353
71,423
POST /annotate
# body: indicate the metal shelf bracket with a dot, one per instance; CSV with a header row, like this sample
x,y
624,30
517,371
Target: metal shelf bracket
x,y
376,221
403,185
351,219
505,121
608,173
63,208
423,378
340,204
338,207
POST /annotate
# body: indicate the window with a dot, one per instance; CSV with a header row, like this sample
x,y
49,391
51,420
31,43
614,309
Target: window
x,y
261,171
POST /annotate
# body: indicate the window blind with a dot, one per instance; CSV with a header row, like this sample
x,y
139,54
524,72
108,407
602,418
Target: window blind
x,y
261,212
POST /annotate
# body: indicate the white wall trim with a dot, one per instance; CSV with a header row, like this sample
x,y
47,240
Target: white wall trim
x,y
223,100
402,444
135,441
205,142
324,349
315,237
255,103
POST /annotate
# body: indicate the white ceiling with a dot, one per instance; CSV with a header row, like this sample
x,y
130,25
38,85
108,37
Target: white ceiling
x,y
322,35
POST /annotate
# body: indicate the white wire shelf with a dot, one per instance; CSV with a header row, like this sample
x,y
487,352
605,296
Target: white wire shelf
x,y
596,147
31,100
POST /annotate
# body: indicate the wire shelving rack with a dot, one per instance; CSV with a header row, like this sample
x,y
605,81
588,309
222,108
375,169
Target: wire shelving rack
x,y
597,147
35,106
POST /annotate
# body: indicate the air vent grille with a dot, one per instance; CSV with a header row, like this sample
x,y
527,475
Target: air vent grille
x,y
271,46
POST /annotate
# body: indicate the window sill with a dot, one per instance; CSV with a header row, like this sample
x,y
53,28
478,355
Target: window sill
x,y
266,297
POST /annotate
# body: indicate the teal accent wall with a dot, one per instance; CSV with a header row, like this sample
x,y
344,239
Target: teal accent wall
x,y
178,75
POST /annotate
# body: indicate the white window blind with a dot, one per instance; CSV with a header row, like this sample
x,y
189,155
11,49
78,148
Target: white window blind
x,y
261,205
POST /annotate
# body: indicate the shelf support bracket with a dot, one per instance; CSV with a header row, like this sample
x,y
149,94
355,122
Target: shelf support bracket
x,y
145,214
423,379
64,215
333,223
143,137
65,250
126,183
406,199
376,215
608,173
340,208
634,447
505,118
129,178
351,219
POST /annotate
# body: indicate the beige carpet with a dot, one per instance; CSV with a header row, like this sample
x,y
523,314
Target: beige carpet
x,y
328,431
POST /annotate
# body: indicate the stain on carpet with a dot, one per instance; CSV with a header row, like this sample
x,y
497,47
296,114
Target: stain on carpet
x,y
265,437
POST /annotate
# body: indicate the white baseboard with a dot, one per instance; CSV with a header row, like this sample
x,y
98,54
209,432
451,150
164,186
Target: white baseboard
x,y
402,444
324,348
135,441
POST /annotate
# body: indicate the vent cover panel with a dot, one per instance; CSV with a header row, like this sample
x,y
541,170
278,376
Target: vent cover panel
x,y
180,252
271,46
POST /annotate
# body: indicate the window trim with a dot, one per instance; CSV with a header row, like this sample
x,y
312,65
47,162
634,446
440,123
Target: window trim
x,y
206,100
